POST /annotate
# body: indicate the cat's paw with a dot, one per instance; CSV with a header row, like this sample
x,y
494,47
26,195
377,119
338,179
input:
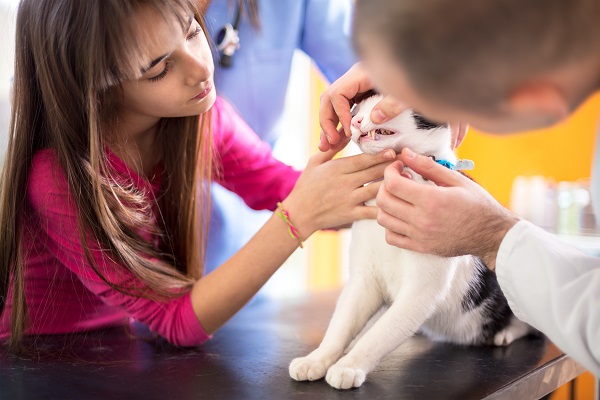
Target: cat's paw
x,y
343,377
307,369
504,338
516,330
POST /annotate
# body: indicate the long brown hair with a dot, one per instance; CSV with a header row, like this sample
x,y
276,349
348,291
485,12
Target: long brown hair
x,y
70,58
253,13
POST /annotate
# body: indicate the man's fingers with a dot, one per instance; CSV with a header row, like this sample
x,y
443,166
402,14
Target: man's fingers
x,y
341,106
388,108
404,242
393,208
398,186
335,101
392,223
429,169
323,143
328,120
342,141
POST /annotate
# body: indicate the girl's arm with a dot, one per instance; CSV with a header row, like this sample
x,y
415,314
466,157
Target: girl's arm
x,y
56,227
246,165
328,194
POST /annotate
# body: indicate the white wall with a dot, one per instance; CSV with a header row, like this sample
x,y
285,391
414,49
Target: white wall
x,y
7,37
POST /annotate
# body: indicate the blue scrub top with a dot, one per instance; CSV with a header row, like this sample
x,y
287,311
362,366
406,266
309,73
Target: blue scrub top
x,y
256,84
257,81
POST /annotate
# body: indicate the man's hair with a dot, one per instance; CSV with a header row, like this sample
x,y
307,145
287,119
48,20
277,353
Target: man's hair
x,y
471,52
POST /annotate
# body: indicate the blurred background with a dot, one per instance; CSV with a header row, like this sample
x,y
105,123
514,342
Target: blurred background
x,y
7,27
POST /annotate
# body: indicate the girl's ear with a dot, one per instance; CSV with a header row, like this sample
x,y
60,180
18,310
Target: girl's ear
x,y
459,131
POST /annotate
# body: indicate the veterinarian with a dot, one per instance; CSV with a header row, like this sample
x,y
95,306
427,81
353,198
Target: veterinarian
x,y
254,77
502,66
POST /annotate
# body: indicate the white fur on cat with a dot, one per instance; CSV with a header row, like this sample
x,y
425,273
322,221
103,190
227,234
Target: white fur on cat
x,y
422,292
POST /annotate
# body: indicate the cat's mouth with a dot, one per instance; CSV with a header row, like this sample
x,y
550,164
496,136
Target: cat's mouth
x,y
373,133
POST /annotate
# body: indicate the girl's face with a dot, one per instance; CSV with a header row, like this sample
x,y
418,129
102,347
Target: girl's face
x,y
177,78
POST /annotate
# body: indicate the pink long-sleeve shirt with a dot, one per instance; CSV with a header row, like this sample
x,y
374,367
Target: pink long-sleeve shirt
x,y
65,295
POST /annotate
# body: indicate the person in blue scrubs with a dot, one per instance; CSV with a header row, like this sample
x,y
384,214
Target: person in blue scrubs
x,y
256,83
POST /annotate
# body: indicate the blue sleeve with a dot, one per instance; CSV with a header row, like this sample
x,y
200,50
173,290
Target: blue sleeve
x,y
326,36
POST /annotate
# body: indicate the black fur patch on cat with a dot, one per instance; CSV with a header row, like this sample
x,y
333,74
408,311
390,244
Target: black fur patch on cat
x,y
485,292
361,96
423,123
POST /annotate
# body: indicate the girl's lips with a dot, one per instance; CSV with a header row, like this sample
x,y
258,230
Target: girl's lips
x,y
203,93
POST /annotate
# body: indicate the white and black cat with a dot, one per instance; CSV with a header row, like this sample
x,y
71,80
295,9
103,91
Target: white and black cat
x,y
454,299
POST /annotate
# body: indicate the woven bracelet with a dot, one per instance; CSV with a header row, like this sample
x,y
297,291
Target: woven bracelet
x,y
292,230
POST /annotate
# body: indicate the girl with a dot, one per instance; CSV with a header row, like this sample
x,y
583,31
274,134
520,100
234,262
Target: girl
x,y
103,197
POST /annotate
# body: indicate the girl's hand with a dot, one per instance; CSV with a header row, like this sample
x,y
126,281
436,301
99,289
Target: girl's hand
x,y
331,193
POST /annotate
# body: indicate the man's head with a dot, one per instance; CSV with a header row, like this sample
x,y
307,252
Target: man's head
x,y
502,65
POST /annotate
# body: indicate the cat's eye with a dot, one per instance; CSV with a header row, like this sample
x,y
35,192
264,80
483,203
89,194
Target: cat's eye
x,y
354,110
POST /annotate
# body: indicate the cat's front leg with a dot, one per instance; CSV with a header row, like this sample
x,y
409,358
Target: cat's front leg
x,y
398,323
357,303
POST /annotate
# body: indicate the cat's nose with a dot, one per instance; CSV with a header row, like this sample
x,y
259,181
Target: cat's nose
x,y
356,122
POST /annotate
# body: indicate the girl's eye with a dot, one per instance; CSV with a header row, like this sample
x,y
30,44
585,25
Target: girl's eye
x,y
195,33
161,75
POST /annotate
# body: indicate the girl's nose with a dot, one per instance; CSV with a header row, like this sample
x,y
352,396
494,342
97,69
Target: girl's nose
x,y
356,122
199,70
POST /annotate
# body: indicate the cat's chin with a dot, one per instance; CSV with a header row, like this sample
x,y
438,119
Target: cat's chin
x,y
377,149
368,150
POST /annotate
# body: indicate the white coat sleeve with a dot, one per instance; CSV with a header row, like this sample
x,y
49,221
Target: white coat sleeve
x,y
555,288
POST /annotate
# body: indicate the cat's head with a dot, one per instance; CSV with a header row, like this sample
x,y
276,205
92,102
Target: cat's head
x,y
409,129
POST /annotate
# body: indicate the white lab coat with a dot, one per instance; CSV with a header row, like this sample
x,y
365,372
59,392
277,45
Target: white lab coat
x,y
555,288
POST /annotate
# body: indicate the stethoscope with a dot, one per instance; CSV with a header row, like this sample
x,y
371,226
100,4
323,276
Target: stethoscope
x,y
228,39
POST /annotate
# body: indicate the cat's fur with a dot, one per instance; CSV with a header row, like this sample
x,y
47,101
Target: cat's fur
x,y
454,299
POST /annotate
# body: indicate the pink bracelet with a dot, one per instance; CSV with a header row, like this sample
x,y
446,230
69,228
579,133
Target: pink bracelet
x,y
291,228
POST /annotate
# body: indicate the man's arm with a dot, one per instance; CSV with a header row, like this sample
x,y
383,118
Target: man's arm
x,y
555,288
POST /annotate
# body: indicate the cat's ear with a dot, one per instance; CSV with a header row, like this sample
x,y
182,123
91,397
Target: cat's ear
x,y
459,131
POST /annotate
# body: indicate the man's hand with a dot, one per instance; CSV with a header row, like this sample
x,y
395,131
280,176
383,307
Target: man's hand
x,y
337,100
456,217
